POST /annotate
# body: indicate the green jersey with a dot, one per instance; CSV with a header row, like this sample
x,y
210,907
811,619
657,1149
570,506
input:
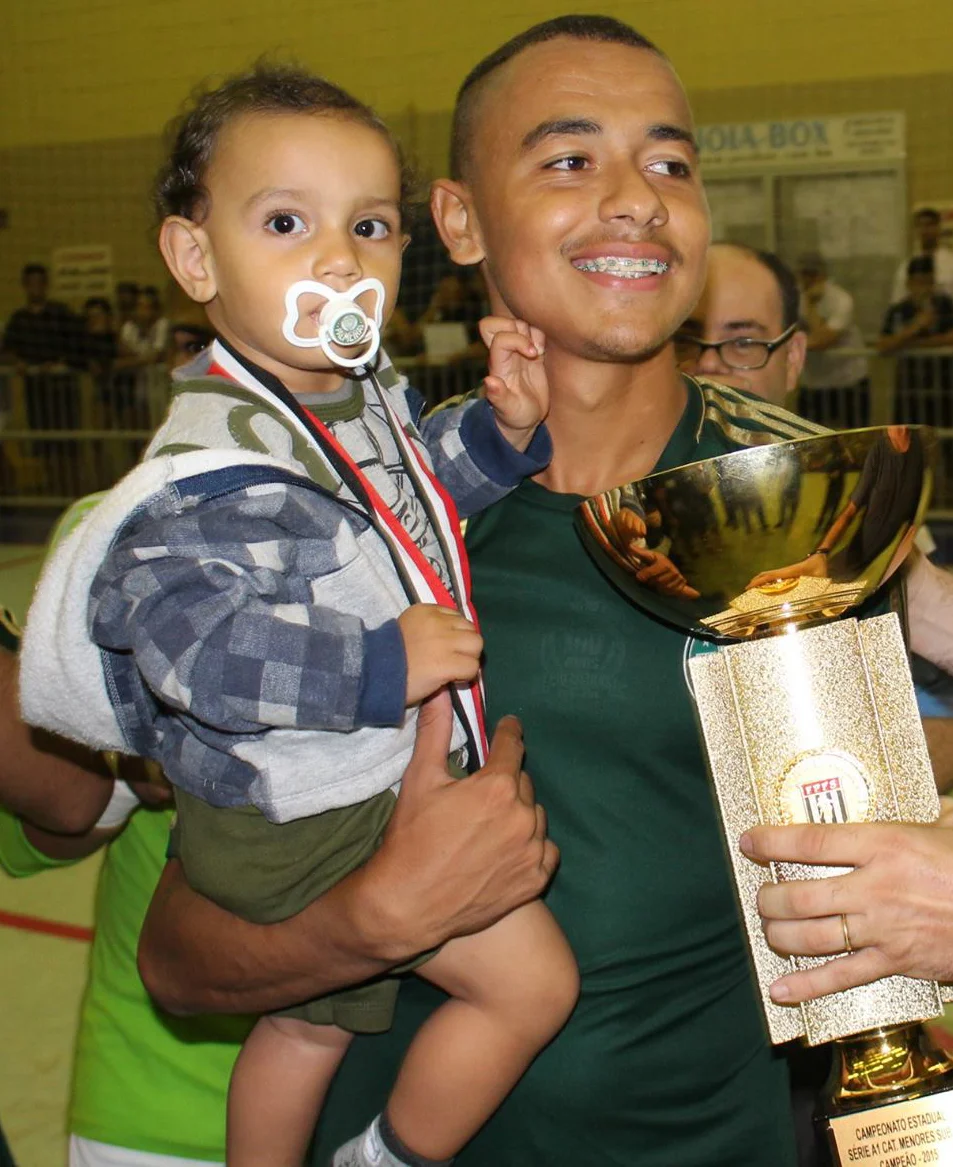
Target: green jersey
x,y
665,1060
141,1079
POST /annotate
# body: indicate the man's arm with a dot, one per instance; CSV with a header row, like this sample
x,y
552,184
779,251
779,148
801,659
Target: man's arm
x,y
825,333
457,855
820,335
898,902
55,785
892,339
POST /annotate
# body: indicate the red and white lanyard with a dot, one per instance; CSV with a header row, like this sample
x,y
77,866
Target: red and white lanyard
x,y
418,574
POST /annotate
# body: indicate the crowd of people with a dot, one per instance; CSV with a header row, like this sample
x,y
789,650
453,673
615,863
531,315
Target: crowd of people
x,y
130,331
274,602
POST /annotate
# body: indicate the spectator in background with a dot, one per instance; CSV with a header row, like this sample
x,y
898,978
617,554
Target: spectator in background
x,y
744,330
834,386
43,331
97,346
127,293
459,298
928,228
922,319
186,341
189,329
144,339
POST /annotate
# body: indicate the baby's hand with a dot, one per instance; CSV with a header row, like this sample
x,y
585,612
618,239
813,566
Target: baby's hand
x,y
441,646
516,387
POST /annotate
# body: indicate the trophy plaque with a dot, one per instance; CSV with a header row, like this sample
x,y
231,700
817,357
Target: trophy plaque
x,y
808,714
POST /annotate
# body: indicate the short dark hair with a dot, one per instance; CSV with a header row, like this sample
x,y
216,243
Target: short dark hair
x,y
812,263
930,213
151,292
98,302
34,269
783,277
787,285
266,88
603,29
920,265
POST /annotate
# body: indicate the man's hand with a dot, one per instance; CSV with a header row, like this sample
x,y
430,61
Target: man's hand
x,y
898,902
516,385
442,646
458,854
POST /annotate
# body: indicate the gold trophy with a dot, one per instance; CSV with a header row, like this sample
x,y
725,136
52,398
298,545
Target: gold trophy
x,y
808,715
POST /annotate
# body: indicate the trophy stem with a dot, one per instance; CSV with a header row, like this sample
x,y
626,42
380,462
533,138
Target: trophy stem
x,y
875,1081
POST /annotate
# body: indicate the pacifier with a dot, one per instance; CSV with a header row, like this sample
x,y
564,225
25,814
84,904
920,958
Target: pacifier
x,y
342,321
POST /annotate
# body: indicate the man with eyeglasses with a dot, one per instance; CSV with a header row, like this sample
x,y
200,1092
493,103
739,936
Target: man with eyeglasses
x,y
744,331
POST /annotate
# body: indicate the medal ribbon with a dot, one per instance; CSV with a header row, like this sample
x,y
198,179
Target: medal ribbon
x,y
420,579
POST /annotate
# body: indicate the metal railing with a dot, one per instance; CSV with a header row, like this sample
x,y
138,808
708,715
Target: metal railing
x,y
64,434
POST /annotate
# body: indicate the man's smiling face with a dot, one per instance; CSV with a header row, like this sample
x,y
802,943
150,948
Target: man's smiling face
x,y
584,196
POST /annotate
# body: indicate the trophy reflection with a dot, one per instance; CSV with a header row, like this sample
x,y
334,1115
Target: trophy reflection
x,y
808,714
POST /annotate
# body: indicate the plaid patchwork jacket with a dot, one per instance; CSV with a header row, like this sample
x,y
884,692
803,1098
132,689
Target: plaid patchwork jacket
x,y
242,607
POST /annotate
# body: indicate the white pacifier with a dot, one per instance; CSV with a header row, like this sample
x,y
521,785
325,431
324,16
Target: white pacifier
x,y
342,321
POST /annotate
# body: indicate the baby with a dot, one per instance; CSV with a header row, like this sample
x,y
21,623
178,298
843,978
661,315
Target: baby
x,y
282,581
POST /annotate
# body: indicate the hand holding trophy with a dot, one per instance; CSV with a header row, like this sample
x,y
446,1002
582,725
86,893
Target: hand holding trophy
x,y
808,714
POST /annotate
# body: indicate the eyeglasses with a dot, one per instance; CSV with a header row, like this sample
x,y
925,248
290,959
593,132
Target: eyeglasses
x,y
742,352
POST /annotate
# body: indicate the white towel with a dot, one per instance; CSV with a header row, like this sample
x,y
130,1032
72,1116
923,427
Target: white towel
x,y
62,683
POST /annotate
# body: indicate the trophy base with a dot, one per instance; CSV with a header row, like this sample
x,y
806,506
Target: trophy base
x,y
889,1100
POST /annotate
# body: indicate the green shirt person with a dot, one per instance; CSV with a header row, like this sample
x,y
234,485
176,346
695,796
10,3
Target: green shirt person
x,y
142,1081
576,188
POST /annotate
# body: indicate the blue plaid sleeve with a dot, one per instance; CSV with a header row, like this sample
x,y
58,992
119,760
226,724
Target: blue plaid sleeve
x,y
215,601
471,458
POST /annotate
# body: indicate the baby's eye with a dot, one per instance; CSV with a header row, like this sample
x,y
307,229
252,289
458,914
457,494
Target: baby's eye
x,y
285,223
372,229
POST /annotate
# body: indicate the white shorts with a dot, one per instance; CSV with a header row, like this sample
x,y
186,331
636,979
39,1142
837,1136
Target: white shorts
x,y
89,1153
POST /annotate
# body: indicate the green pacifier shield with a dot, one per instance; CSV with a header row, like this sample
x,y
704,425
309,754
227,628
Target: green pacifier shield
x,y
348,329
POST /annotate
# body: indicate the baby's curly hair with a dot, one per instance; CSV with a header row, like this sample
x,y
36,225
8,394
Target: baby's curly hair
x,y
179,187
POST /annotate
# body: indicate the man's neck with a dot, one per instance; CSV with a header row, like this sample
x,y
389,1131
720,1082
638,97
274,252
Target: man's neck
x,y
609,422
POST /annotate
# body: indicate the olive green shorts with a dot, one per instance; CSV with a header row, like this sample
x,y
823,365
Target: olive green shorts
x,y
266,872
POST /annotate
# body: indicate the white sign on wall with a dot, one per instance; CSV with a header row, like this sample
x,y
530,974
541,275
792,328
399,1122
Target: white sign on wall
x,y
80,272
862,137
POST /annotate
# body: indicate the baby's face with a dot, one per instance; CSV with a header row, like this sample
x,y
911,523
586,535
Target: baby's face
x,y
297,197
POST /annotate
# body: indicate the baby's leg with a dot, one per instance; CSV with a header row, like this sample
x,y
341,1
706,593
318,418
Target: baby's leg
x,y
512,986
277,1090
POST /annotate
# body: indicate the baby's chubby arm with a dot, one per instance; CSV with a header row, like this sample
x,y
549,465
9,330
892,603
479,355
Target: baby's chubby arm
x,y
516,385
485,443
216,604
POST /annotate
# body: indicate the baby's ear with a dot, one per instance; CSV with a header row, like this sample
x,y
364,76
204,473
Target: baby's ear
x,y
185,249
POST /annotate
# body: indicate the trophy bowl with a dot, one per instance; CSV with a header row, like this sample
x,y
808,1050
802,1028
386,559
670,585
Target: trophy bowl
x,y
752,542
806,717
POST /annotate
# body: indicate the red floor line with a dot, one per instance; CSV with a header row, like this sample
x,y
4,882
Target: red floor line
x,y
45,927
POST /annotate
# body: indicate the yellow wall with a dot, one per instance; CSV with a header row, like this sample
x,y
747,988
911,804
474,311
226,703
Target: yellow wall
x,y
75,70
86,85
